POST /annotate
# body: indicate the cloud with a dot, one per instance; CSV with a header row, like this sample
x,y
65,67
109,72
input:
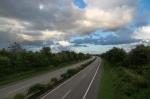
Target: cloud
x,y
100,37
142,33
6,38
107,4
108,40
64,43
53,18
34,21
37,43
79,45
108,14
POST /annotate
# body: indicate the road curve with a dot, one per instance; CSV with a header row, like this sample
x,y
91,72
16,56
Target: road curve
x,y
21,86
84,85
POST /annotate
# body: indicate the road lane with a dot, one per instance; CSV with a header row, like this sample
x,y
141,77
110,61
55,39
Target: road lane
x,y
66,94
93,92
21,86
79,86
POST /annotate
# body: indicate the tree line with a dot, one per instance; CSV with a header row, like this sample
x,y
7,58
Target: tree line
x,y
15,59
137,56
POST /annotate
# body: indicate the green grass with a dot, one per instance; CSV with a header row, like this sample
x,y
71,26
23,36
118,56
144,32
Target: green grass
x,y
106,84
124,83
28,74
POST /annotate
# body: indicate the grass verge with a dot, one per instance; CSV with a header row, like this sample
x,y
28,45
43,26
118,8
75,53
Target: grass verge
x,y
124,83
106,85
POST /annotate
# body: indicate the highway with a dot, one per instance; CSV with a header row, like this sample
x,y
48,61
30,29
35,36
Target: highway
x,y
21,86
84,85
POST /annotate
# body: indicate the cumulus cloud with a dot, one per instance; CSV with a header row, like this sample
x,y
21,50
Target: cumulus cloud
x,y
107,4
142,33
64,43
108,14
34,21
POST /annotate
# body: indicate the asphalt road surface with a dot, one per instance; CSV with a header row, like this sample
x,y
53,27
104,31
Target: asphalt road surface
x,y
84,85
21,86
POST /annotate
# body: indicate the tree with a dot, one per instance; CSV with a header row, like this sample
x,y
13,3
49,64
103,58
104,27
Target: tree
x,y
46,55
15,48
46,51
140,55
15,59
115,55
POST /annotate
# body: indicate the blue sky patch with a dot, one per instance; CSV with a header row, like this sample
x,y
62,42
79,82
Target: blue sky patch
x,y
80,3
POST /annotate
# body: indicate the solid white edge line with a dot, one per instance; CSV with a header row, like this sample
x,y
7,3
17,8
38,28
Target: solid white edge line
x,y
91,82
63,83
66,94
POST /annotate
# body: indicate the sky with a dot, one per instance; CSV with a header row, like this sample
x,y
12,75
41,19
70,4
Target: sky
x,y
88,26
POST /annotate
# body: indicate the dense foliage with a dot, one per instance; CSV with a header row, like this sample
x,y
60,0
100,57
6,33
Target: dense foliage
x,y
127,74
140,55
115,55
124,83
137,56
16,59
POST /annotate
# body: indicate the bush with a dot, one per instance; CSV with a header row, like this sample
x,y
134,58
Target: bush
x,y
140,55
64,76
71,72
54,80
115,55
36,88
19,96
50,85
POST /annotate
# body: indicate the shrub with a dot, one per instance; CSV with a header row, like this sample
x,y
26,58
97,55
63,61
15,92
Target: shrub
x,y
19,96
36,88
64,76
50,85
115,55
140,55
71,72
54,80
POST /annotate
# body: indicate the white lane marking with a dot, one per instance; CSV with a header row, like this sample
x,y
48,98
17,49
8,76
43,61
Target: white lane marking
x,y
63,83
91,82
66,94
